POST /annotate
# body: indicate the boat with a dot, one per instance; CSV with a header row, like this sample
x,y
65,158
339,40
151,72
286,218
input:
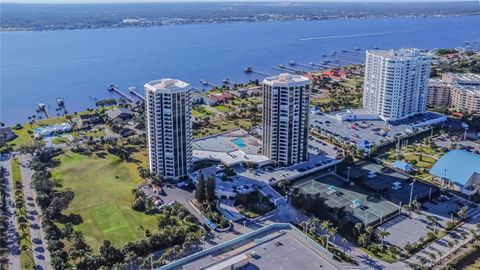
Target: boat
x,y
292,63
281,66
41,106
204,82
60,102
247,69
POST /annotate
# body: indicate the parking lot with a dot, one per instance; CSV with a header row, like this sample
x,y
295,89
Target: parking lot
x,y
404,229
359,203
373,131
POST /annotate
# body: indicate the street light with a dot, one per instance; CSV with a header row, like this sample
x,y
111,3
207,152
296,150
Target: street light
x,y
411,191
348,173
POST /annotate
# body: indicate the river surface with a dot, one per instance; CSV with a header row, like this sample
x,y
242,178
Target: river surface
x,y
79,64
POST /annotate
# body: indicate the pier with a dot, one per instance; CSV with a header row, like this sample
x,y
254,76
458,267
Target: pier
x,y
251,70
228,81
43,108
206,83
114,88
133,91
288,69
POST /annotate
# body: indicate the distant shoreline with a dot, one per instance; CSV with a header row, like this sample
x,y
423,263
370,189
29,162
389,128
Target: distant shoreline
x,y
233,21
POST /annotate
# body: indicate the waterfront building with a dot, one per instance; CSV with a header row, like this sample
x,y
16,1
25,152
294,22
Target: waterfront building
x,y
438,94
466,98
286,103
169,127
396,83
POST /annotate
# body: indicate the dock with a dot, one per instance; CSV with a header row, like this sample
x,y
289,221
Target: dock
x,y
288,69
251,70
114,88
133,91
228,81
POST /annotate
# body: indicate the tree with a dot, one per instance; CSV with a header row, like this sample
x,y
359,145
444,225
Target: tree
x,y
200,190
211,183
382,234
344,243
313,225
451,244
333,232
462,213
110,254
432,221
363,240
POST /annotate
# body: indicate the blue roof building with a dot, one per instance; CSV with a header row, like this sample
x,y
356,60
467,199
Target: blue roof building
x,y
459,167
402,165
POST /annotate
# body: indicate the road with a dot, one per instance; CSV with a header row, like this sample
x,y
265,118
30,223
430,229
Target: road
x,y
12,234
41,254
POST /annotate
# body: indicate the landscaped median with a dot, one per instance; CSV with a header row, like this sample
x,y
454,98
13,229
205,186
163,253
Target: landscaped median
x,y
26,255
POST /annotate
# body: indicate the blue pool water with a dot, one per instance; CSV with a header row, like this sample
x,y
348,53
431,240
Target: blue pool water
x,y
76,64
239,142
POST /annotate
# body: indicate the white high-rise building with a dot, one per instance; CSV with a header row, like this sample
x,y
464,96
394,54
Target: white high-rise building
x,y
169,127
286,101
396,83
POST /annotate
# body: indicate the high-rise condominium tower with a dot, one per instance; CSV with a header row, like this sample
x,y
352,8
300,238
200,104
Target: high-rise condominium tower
x,y
169,127
396,83
286,103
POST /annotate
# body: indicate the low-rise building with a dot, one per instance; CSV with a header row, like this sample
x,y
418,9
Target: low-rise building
x,y
460,167
278,244
438,94
87,120
6,135
119,113
461,78
466,98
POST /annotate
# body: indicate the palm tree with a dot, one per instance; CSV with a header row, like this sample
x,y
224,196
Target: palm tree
x,y
333,233
474,234
325,225
450,244
344,243
313,225
369,231
363,240
433,221
382,234
432,256
358,227
463,212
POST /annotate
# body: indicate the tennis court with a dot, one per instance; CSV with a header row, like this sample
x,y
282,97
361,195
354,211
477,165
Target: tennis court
x,y
358,202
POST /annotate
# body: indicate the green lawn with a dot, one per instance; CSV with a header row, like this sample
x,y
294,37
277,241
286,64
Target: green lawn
x,y
103,198
221,108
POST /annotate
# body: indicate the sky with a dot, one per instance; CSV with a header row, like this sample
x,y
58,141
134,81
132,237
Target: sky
x,y
165,1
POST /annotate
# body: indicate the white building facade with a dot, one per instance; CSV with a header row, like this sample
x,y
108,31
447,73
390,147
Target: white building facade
x,y
286,100
169,127
396,83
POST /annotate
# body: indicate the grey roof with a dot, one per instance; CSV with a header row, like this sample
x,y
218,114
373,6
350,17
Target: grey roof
x,y
118,112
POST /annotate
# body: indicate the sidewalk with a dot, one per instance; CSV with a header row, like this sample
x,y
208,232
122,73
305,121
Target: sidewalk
x,y
12,234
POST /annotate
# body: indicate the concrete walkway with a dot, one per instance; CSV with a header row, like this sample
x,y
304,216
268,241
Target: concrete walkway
x,y
41,254
12,234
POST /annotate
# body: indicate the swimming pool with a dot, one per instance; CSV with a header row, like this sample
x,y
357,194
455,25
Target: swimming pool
x,y
239,142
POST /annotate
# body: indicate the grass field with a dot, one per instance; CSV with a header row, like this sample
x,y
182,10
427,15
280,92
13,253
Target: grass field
x,y
221,108
103,197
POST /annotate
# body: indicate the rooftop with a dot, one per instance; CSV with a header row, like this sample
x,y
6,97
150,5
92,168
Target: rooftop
x,y
286,79
167,85
397,53
473,89
457,166
277,246
231,147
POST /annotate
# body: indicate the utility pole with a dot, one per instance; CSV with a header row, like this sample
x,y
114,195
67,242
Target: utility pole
x,y
411,191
